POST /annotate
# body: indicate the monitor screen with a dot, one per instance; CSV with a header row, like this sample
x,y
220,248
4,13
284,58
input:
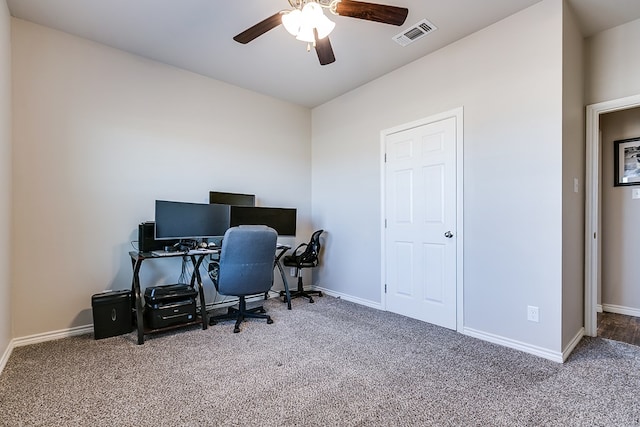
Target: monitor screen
x,y
181,220
283,220
235,199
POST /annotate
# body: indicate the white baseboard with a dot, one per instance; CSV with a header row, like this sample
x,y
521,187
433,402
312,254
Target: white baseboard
x,y
517,345
349,298
53,335
43,337
88,329
5,356
599,308
572,344
496,339
618,309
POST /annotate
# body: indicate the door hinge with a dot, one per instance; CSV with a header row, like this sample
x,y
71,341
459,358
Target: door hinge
x,y
385,223
385,288
385,157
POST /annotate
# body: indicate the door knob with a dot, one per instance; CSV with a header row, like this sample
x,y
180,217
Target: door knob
x,y
448,234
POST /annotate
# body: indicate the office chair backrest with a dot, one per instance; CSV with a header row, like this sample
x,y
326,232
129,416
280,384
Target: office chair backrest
x,y
312,250
246,260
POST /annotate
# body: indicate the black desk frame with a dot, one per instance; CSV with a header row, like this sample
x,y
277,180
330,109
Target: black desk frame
x,y
283,249
136,262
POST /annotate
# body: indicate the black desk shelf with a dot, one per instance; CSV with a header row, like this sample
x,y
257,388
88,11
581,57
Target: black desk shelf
x,y
148,331
137,259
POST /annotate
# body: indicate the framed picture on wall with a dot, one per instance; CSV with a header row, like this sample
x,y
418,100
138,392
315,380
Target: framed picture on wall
x,y
626,160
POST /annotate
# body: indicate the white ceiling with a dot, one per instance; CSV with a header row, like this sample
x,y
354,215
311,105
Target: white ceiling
x,y
196,35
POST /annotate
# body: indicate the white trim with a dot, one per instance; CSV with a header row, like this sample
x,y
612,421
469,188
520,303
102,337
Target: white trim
x,y
599,308
592,218
517,345
460,218
619,309
53,335
458,114
88,329
340,295
383,202
572,344
5,356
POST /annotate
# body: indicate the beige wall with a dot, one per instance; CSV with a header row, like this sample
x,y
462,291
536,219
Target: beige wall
x,y
508,79
100,134
612,63
573,164
5,180
620,213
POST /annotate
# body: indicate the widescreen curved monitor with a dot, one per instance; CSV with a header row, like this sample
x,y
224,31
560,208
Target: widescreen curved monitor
x,y
183,220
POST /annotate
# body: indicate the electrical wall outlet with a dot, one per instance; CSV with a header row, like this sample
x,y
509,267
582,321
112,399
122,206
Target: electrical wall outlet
x,y
532,314
293,272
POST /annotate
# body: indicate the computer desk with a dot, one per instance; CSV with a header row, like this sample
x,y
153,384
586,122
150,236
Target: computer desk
x,y
196,257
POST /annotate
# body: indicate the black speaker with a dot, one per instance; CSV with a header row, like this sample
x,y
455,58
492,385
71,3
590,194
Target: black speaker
x,y
147,238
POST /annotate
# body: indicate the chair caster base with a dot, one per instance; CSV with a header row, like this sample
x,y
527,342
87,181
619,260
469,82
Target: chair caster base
x,y
241,314
301,293
269,321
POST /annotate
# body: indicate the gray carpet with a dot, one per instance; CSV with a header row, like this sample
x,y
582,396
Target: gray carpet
x,y
332,363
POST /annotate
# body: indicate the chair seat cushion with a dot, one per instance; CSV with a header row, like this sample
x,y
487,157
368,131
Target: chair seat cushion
x,y
293,261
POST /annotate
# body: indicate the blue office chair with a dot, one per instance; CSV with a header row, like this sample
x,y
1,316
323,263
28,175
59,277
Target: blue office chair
x,y
245,268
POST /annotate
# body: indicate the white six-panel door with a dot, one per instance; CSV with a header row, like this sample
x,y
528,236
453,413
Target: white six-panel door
x,y
420,231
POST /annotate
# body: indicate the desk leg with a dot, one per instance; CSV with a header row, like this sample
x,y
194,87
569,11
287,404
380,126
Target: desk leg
x,y
196,276
138,300
286,284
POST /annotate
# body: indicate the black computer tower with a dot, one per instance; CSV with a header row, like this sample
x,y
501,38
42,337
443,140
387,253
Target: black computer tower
x,y
147,238
112,314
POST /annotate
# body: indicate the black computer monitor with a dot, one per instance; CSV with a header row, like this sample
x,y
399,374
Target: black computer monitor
x,y
283,220
182,220
236,199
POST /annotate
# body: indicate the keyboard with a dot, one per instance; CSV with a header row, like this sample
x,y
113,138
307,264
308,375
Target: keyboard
x,y
203,251
166,253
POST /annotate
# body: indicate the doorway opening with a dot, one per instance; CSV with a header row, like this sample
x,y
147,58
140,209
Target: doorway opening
x,y
593,212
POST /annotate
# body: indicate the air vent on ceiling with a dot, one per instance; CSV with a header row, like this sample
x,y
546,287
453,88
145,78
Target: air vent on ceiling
x,y
415,32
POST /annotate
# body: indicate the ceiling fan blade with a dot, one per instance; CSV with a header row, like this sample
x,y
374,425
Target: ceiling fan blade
x,y
372,12
324,50
259,29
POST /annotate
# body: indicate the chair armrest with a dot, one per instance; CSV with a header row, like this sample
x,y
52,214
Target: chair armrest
x,y
301,245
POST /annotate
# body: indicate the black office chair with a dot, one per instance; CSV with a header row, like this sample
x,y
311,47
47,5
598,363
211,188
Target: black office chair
x,y
305,259
245,268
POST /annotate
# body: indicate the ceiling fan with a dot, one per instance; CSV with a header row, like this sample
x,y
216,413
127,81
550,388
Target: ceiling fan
x,y
308,23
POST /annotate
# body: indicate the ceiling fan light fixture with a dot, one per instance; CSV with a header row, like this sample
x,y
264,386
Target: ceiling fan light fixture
x,y
324,26
291,21
301,23
306,34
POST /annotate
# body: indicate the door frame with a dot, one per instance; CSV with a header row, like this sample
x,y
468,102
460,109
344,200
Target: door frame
x,y
458,114
593,230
